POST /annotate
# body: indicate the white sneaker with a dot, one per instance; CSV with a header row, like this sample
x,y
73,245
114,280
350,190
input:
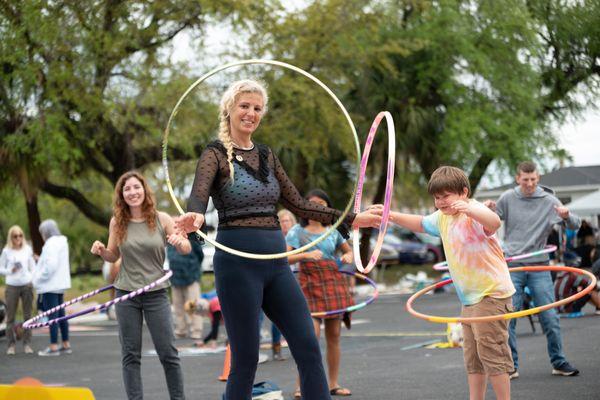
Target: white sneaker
x,y
11,350
48,352
27,349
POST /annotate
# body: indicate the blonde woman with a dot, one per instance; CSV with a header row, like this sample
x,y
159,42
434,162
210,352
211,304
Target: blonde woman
x,y
16,263
246,182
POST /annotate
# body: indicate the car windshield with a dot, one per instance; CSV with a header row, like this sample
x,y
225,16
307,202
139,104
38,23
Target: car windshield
x,y
390,238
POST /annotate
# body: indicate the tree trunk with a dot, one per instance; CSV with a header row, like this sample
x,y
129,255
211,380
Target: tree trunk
x,y
29,188
79,200
34,220
478,170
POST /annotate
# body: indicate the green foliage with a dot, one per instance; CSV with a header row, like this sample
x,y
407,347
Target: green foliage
x,y
468,82
11,212
86,89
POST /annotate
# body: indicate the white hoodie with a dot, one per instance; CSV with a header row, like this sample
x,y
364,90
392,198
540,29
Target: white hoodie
x,y
53,271
14,257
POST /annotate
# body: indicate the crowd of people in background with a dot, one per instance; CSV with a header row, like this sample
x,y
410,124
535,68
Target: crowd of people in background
x,y
49,273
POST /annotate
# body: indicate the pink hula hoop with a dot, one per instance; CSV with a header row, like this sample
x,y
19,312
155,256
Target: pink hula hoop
x,y
389,188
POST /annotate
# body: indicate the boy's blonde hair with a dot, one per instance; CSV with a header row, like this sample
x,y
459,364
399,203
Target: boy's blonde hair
x,y
448,179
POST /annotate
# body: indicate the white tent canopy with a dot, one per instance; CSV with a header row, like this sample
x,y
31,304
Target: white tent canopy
x,y
587,205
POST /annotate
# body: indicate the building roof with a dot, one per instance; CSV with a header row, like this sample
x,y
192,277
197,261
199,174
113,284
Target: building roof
x,y
586,205
580,177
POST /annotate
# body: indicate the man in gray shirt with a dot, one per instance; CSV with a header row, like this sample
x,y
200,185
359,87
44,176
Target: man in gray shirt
x,y
529,211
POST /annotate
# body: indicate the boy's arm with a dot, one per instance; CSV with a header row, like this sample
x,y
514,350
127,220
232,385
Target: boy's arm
x,y
409,221
480,213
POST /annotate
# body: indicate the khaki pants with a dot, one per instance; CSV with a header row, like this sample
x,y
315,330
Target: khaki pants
x,y
183,321
13,294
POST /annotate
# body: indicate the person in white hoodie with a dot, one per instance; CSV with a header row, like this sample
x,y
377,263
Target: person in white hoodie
x,y
16,262
51,278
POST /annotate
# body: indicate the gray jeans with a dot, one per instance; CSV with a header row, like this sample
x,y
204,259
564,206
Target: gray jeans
x,y
13,294
155,308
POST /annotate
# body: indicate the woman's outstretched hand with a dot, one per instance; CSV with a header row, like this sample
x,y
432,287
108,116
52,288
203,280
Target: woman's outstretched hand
x,y
189,222
371,218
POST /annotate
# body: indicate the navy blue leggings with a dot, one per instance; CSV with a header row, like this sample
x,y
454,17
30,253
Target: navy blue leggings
x,y
244,286
49,301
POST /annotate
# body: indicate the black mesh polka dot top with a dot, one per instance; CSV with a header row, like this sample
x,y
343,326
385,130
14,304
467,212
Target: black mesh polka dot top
x,y
260,183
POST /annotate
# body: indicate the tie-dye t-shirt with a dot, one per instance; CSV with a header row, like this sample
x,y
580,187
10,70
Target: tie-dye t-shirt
x,y
475,260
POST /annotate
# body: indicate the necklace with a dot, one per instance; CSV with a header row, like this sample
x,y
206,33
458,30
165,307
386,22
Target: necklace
x,y
238,156
242,148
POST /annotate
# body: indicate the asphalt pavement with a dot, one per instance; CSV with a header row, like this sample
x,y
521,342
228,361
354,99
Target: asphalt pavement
x,y
382,358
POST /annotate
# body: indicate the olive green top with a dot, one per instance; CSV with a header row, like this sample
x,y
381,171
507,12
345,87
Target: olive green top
x,y
142,257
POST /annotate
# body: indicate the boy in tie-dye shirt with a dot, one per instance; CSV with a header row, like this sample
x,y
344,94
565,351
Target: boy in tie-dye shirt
x,y
480,274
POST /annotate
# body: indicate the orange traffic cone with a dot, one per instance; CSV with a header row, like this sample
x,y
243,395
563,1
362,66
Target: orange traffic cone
x,y
226,365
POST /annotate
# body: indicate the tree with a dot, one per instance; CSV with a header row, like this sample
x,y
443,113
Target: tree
x,y
468,82
86,87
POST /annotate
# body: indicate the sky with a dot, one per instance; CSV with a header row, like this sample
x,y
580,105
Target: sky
x,y
581,138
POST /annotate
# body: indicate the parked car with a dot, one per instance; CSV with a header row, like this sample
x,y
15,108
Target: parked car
x,y
212,220
433,244
209,252
388,253
406,251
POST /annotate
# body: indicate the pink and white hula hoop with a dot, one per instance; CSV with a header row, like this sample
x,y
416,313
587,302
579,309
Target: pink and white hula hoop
x,y
29,324
443,266
389,188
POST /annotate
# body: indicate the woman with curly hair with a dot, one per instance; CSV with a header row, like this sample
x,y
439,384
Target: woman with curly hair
x,y
138,233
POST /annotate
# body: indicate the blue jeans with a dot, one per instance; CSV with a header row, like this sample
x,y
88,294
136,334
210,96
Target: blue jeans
x,y
49,301
542,292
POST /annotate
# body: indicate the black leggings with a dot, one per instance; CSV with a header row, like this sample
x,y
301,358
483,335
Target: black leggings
x,y
214,327
244,286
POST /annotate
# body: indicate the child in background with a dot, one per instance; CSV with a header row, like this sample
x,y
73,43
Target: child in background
x,y
480,274
208,304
